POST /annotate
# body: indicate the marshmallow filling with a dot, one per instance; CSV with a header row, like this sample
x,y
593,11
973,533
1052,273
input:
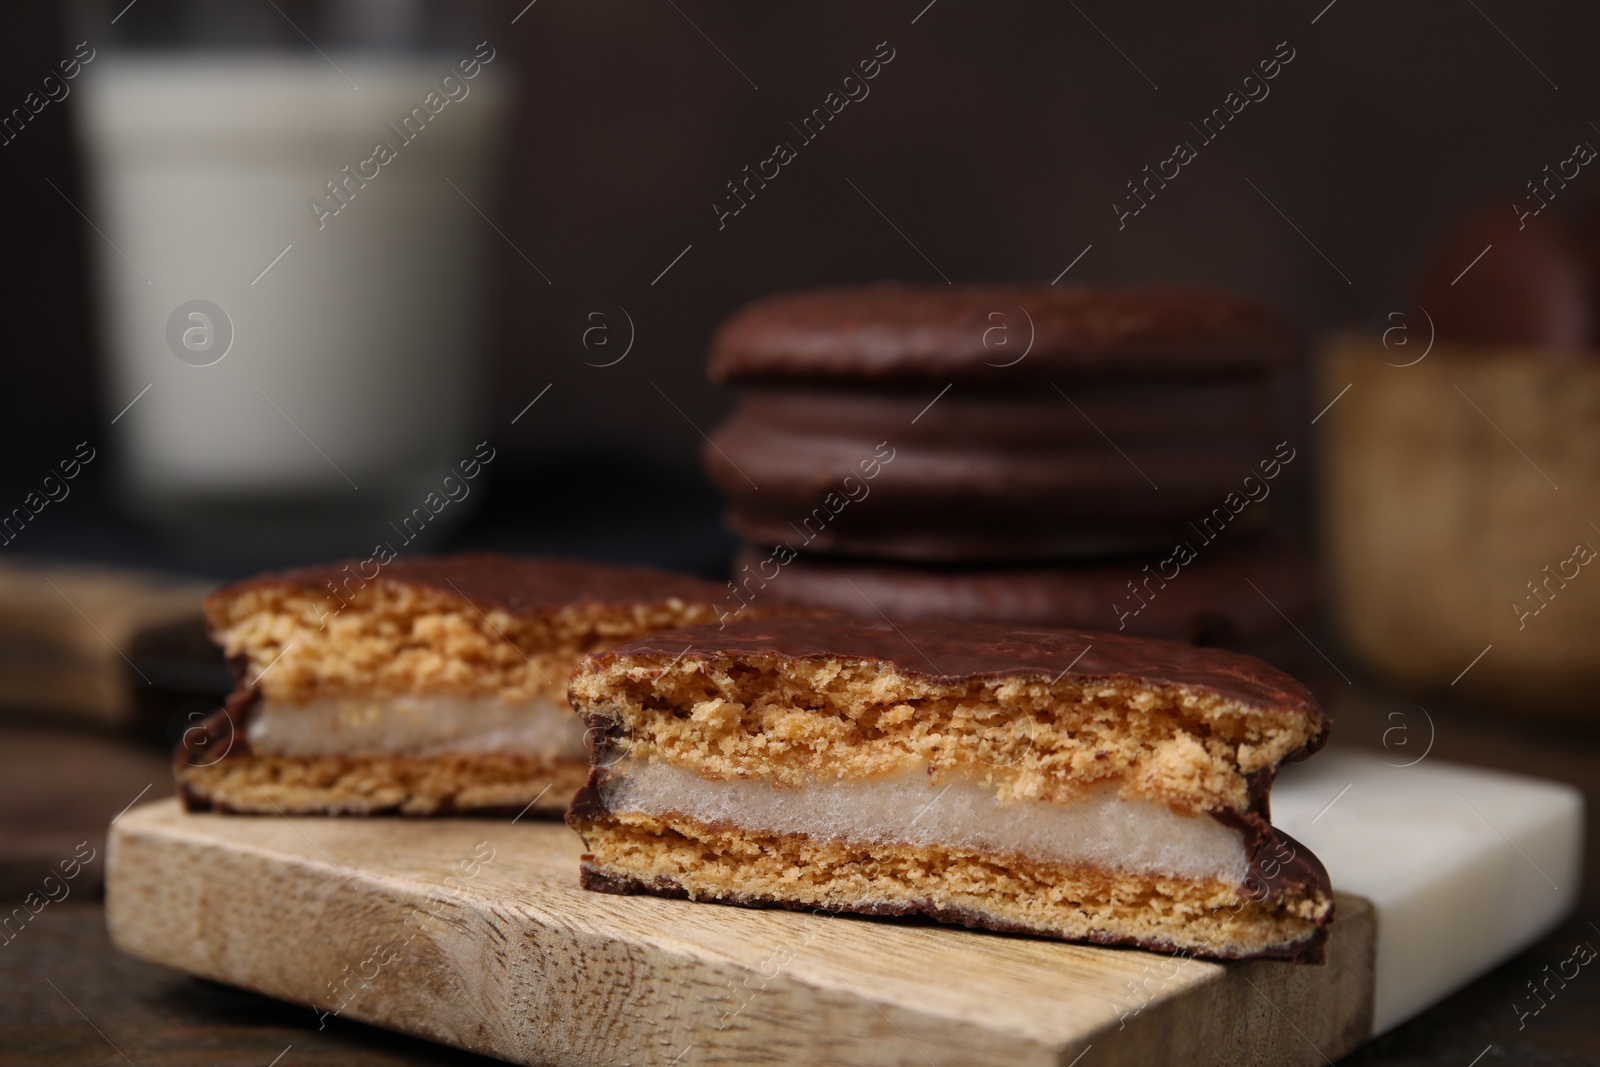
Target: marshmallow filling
x,y
1096,829
416,726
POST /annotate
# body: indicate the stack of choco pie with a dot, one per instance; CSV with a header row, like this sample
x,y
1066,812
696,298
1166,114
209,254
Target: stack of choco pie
x,y
1034,455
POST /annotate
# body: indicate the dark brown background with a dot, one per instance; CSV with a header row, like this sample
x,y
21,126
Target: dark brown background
x,y
996,140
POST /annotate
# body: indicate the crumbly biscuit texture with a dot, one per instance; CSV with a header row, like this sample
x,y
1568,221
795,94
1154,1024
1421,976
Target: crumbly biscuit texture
x,y
296,642
795,720
371,785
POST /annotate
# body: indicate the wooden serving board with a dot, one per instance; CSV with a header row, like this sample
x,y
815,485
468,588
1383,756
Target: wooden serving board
x,y
475,933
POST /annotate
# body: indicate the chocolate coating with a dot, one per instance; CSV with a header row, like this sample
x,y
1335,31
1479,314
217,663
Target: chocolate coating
x,y
520,584
976,497
894,332
224,734
1022,419
968,502
1208,602
951,653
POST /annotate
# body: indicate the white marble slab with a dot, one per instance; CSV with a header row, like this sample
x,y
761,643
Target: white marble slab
x,y
1465,867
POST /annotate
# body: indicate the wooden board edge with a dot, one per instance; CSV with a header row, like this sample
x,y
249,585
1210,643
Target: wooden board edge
x,y
482,981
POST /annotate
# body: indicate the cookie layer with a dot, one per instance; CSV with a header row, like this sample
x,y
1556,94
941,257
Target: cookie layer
x,y
1041,714
471,783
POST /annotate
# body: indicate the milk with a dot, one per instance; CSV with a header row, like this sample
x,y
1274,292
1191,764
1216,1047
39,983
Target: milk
x,y
297,325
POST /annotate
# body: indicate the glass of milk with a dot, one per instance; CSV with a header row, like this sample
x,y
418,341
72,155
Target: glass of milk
x,y
290,266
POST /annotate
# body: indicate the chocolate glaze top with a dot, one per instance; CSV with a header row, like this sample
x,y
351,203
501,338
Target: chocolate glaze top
x,y
520,584
897,333
953,652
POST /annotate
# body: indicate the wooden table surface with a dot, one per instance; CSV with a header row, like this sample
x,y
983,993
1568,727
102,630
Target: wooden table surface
x,y
67,997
